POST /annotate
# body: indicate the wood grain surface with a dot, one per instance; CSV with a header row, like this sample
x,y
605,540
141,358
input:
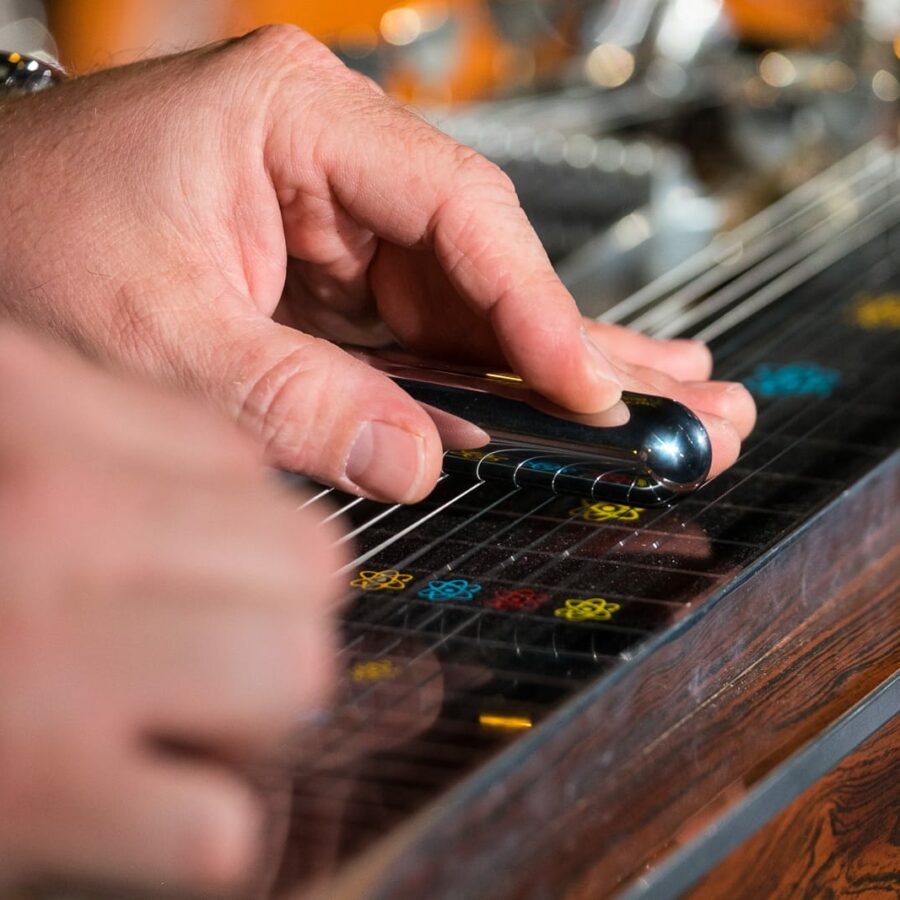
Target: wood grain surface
x,y
840,838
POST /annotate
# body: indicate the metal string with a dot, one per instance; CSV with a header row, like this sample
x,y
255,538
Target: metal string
x,y
808,198
590,531
563,523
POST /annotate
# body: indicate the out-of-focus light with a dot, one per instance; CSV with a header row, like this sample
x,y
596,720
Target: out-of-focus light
x,y
550,148
685,26
776,69
609,65
610,155
885,86
630,231
510,723
401,26
759,94
839,76
581,151
639,159
666,79
897,46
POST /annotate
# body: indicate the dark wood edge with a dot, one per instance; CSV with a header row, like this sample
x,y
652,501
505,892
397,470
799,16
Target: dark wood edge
x,y
684,868
839,838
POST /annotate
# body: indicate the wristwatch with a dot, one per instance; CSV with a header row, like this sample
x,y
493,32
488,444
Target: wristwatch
x,y
21,74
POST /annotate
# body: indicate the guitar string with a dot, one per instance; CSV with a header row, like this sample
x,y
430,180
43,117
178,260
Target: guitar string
x,y
382,515
730,320
758,259
851,238
852,214
804,199
752,299
786,450
636,532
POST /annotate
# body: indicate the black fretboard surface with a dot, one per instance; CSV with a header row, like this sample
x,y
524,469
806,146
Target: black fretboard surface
x,y
475,614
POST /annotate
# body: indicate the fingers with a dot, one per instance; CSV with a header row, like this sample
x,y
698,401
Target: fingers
x,y
232,680
727,400
726,409
414,186
137,425
685,360
323,413
140,819
678,369
724,440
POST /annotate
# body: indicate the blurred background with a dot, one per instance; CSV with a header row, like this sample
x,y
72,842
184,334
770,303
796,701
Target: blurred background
x,y
635,130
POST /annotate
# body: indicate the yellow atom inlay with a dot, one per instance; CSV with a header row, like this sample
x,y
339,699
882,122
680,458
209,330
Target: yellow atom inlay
x,y
594,609
877,312
478,455
606,512
373,670
385,580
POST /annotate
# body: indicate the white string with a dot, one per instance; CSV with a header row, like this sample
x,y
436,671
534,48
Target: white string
x,y
866,229
806,199
395,537
814,247
341,510
375,519
322,493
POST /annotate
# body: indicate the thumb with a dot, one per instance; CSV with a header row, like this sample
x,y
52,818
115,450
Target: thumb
x,y
323,413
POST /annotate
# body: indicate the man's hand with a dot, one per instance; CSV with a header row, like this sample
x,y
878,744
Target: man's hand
x,y
166,617
210,217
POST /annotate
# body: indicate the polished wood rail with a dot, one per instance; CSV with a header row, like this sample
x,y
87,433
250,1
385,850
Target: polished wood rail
x,y
840,838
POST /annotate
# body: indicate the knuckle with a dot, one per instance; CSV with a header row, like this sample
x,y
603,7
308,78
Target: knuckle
x,y
473,169
287,408
282,43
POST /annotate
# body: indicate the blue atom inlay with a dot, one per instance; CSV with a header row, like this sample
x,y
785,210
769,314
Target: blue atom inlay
x,y
792,380
542,465
456,589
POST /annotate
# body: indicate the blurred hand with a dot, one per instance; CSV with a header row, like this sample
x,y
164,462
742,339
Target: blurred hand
x,y
210,217
165,620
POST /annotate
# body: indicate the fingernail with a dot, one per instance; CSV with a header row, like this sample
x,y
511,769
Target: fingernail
x,y
685,342
386,461
720,387
603,366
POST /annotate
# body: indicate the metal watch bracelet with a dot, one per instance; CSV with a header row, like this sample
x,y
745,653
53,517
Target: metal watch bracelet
x,y
21,74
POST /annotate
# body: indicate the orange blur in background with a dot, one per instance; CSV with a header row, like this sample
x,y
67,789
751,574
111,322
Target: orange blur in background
x,y
95,35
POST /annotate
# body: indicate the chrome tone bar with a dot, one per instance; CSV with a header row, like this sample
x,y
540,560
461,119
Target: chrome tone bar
x,y
661,450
